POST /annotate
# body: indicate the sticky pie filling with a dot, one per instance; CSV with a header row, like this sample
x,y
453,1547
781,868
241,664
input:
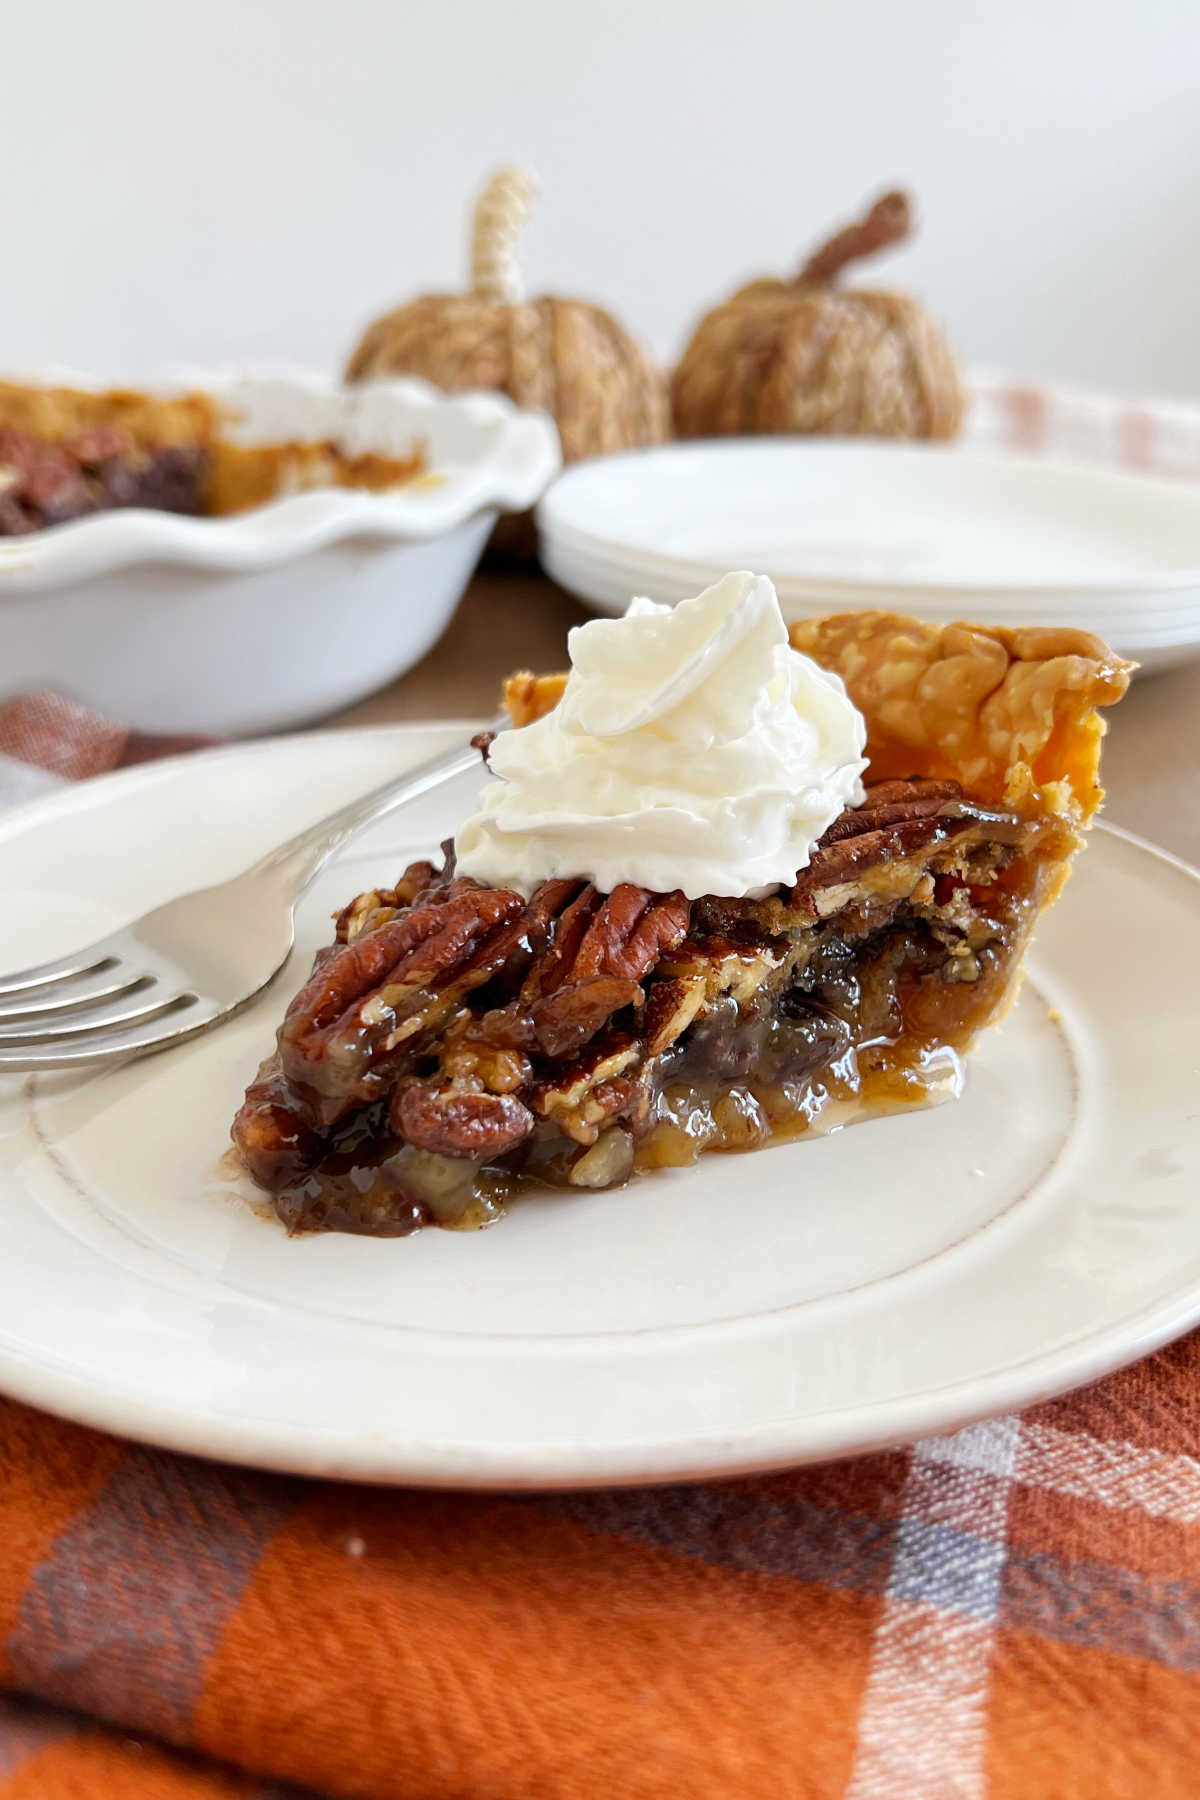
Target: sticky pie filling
x,y
458,1042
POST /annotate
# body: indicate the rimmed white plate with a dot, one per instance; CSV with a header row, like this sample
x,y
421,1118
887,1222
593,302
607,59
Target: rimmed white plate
x,y
822,1298
1163,612
607,584
904,515
947,532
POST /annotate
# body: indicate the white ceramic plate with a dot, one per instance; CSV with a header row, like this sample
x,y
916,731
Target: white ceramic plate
x,y
606,584
1161,614
916,516
945,532
888,1281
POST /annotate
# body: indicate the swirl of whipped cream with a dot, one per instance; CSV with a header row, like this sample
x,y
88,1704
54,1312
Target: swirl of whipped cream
x,y
693,748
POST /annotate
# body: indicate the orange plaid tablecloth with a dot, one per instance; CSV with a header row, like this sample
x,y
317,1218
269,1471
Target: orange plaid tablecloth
x,y
1008,1613
1011,1612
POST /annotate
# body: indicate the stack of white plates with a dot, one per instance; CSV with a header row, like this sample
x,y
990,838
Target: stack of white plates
x,y
839,525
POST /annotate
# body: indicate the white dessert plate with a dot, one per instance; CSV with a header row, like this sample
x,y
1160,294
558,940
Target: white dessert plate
x,y
607,584
947,532
884,1282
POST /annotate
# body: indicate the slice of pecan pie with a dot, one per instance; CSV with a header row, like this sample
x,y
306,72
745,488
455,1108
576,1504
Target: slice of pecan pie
x,y
457,1040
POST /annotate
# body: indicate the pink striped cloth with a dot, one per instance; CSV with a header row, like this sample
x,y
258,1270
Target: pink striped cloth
x,y
46,739
1152,437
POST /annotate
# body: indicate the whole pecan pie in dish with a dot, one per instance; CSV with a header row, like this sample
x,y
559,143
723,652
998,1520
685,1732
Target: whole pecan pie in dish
x,y
463,1036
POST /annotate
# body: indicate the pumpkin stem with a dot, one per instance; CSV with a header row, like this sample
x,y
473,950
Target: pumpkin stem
x,y
500,215
888,222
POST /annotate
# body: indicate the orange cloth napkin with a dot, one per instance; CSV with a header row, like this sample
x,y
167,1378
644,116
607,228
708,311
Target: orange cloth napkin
x,y
1011,1612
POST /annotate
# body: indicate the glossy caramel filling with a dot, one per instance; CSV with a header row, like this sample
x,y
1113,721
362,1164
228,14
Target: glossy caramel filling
x,y
870,1026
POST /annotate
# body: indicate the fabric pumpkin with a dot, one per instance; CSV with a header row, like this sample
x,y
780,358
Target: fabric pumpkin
x,y
809,356
568,357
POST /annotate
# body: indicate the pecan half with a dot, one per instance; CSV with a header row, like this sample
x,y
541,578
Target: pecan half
x,y
387,987
549,907
576,1095
896,819
540,926
670,1008
276,1144
565,1020
474,1125
563,944
892,803
849,858
630,933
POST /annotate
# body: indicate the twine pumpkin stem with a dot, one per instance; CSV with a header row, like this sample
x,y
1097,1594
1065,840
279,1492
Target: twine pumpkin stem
x,y
500,215
888,222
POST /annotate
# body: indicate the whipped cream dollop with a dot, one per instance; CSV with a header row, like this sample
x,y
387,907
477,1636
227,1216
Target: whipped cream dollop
x,y
693,748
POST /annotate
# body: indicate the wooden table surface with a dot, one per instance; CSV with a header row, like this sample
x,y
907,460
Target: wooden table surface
x,y
512,621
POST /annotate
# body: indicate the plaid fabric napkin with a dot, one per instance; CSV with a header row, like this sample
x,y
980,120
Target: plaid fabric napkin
x,y
1011,1612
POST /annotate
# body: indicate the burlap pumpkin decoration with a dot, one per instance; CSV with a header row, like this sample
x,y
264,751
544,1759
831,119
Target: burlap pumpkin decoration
x,y
568,357
807,356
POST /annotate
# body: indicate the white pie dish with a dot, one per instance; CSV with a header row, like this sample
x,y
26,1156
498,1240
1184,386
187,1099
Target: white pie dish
x,y
892,1280
291,610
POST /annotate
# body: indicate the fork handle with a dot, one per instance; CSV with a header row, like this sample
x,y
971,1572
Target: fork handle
x,y
300,858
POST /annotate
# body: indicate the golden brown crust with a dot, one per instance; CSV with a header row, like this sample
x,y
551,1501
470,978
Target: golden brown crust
x,y
246,475
150,422
1012,715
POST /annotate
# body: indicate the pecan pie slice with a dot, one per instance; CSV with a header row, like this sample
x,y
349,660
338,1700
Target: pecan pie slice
x,y
457,1040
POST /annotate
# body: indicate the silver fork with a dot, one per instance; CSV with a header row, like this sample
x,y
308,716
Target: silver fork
x,y
187,965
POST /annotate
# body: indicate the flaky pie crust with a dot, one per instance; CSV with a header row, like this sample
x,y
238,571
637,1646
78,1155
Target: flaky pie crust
x,y
1011,715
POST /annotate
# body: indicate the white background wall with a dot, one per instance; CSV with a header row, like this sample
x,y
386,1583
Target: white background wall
x,y
255,177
